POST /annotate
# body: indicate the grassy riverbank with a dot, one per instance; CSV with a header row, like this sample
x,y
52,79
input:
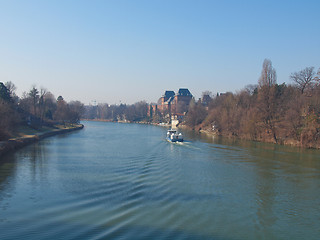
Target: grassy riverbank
x,y
25,135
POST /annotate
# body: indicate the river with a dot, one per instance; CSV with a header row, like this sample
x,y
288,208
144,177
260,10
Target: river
x,y
124,181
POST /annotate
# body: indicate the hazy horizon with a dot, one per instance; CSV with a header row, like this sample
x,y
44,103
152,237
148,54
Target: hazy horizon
x,y
128,51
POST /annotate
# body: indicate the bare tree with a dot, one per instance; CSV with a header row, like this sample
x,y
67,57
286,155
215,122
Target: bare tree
x,y
61,113
50,105
75,111
12,91
267,97
141,109
268,74
103,111
42,103
34,95
251,88
304,78
317,78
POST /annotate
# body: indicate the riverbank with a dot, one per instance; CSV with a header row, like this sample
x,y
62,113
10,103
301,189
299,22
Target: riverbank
x,y
263,139
138,122
27,136
285,142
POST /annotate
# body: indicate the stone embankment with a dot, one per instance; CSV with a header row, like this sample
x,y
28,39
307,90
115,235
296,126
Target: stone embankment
x,y
19,142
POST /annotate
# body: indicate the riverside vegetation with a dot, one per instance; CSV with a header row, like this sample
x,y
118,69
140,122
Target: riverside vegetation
x,y
36,112
269,112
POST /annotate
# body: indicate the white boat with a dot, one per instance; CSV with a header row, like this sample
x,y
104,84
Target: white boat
x,y
174,136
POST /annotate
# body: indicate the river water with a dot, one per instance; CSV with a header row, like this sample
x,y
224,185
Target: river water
x,y
124,181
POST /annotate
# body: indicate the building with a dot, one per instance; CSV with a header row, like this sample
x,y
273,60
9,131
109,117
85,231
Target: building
x,y
172,104
164,102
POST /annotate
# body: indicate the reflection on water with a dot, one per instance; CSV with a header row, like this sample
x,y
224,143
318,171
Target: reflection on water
x,y
124,181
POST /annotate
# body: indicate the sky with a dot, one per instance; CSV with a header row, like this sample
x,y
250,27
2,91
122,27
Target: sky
x,y
117,51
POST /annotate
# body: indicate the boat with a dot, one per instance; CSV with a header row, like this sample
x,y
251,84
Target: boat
x,y
174,136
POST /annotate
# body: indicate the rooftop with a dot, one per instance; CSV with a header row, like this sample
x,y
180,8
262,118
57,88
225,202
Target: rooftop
x,y
184,92
168,94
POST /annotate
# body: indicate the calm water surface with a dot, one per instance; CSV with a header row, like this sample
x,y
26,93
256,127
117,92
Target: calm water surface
x,y
124,181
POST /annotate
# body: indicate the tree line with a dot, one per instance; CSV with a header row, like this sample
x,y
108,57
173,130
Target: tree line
x,y
271,112
35,109
129,113
266,111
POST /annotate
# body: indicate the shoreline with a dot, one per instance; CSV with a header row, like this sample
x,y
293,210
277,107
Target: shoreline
x,y
138,122
19,142
282,142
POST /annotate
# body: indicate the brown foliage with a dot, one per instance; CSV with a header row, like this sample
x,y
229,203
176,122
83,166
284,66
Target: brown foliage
x,y
310,135
268,112
196,114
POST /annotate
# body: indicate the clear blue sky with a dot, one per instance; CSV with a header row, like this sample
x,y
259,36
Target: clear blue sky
x,y
112,51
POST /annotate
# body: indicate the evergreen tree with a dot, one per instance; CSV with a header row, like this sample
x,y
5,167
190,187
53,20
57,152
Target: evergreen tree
x,y
4,93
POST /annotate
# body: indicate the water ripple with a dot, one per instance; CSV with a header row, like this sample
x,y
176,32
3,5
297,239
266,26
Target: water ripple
x,y
127,182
